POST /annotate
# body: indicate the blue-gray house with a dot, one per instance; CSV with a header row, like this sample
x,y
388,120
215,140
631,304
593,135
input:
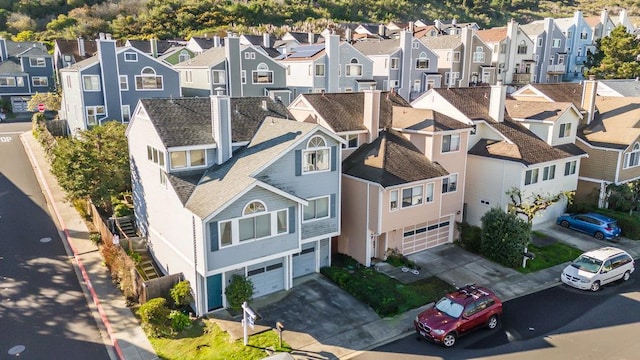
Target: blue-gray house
x,y
26,68
109,85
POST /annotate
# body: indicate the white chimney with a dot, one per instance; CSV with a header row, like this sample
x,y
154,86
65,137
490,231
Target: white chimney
x,y
497,101
221,125
266,40
81,49
310,38
372,112
216,41
589,92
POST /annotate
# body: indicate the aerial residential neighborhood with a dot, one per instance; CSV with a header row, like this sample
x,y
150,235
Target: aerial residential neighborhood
x,y
324,194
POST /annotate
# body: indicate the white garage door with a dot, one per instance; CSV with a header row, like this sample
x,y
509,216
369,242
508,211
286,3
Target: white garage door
x,y
421,237
19,104
266,277
305,262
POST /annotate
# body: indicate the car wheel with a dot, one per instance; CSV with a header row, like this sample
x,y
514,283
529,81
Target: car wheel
x,y
564,224
626,276
599,235
449,340
595,286
493,322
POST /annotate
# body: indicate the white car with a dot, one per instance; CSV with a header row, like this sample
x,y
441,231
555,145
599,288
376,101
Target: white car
x,y
598,267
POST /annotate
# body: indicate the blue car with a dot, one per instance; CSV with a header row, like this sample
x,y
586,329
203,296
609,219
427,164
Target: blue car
x,y
599,226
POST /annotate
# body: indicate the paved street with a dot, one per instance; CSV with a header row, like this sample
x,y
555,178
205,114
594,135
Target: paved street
x,y
43,312
557,323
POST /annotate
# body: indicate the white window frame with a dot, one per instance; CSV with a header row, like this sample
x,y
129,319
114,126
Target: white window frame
x,y
394,63
310,155
39,62
393,200
570,167
416,196
549,173
555,43
222,78
317,72
454,139
348,138
243,76
632,158
130,56
531,176
126,113
353,69
184,56
450,184
478,55
415,45
94,81
313,202
7,81
539,42
422,60
124,86
155,156
188,76
522,48
235,225
96,114
188,161
428,195
261,71
565,130
145,75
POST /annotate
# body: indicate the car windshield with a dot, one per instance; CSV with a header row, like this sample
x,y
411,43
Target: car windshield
x,y
449,307
587,263
612,225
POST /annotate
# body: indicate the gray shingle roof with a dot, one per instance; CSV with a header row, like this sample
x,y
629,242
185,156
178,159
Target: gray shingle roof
x,y
187,121
70,47
345,111
221,184
624,87
473,102
377,47
391,160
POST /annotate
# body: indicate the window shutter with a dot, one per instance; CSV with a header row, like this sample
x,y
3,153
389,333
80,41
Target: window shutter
x,y
334,209
298,162
334,158
292,219
213,235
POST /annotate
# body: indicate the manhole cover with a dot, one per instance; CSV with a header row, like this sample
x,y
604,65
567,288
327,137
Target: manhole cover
x,y
45,240
16,350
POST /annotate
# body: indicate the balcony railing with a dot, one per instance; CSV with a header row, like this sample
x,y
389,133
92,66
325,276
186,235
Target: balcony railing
x,y
523,78
558,69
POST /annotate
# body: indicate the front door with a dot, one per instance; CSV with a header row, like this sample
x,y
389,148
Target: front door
x,y
214,292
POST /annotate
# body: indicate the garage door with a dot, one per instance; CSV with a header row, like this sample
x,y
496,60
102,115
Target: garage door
x,y
424,236
266,277
305,262
19,104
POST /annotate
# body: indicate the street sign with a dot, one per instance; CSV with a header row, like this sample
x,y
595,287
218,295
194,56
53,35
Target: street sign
x,y
41,107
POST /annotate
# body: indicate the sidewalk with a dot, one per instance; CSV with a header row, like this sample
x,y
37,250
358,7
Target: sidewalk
x,y
120,330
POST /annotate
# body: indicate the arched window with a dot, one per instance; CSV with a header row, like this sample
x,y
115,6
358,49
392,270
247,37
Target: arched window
x,y
478,55
354,68
522,47
316,157
184,56
254,207
148,80
262,74
632,158
254,225
422,62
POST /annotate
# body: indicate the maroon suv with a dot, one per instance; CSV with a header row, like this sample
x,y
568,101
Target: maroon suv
x,y
458,313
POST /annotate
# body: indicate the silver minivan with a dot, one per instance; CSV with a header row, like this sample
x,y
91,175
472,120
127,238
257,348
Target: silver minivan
x,y
598,267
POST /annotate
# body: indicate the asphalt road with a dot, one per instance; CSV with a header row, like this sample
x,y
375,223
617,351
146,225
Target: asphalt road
x,y
43,311
557,323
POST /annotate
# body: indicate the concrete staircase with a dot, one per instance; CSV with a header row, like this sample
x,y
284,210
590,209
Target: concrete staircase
x,y
128,233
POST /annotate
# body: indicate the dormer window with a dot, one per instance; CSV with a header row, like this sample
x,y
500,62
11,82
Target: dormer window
x,y
184,56
632,158
565,130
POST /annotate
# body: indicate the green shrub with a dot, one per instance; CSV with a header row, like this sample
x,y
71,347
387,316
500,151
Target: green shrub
x,y
95,238
136,257
238,291
397,259
181,294
504,237
470,237
154,316
179,320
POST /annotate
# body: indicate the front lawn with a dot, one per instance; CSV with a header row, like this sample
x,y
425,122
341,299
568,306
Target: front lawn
x,y
205,340
548,256
386,296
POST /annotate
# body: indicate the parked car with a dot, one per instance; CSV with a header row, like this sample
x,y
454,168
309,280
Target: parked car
x,y
458,313
595,268
599,226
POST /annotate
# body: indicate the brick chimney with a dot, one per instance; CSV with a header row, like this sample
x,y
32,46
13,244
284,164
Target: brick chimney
x,y
497,101
221,125
589,92
372,113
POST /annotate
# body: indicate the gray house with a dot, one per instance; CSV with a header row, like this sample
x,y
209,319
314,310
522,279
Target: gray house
x,y
241,70
549,50
107,86
227,186
404,64
25,69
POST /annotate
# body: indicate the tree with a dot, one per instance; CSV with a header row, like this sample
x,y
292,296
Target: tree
x,y
532,205
239,290
504,237
616,56
93,165
50,100
624,197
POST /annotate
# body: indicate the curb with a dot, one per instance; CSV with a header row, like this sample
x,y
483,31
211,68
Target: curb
x,y
69,245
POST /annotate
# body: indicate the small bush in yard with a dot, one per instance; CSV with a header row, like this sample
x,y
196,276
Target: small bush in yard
x,y
154,315
504,236
239,290
181,294
470,237
179,320
397,259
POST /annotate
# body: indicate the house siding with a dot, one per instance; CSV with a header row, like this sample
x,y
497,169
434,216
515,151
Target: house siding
x,y
601,164
355,204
